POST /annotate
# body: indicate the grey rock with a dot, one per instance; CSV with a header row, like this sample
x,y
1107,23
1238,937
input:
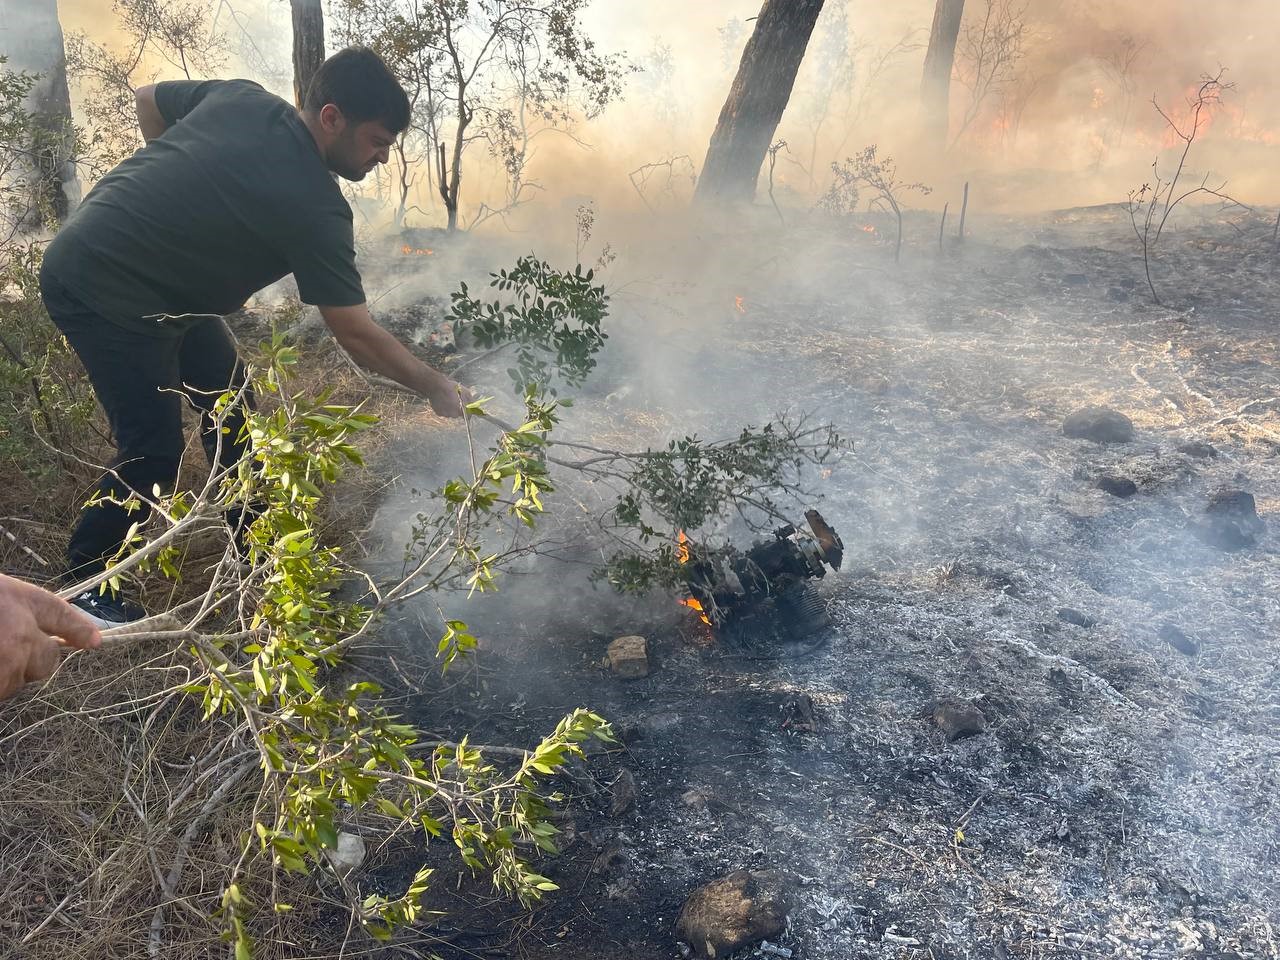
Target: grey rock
x,y
1225,534
958,719
1231,520
725,915
1121,487
1174,636
1074,616
1099,423
1238,505
1198,450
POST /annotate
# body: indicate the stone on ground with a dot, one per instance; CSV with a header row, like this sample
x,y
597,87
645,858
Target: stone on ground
x,y
958,719
1099,423
629,657
1077,617
1174,636
1199,450
725,915
1231,520
1121,487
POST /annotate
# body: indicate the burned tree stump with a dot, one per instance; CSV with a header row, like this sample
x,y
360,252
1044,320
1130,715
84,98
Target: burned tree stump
x,y
758,96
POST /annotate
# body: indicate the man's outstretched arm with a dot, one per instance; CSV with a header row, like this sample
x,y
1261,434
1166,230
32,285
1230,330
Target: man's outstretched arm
x,y
373,347
150,121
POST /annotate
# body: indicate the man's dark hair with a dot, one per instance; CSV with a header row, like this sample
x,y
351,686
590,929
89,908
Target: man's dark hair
x,y
358,82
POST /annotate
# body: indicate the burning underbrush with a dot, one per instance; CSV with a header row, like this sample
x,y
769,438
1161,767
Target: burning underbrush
x,y
1041,719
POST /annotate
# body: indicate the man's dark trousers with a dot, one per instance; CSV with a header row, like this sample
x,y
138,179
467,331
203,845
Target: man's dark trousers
x,y
142,382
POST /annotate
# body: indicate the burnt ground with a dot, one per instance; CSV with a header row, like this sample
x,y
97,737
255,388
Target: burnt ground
x,y
1121,800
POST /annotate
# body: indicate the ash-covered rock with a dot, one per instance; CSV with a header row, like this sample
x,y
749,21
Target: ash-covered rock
x,y
958,719
1076,617
1176,638
1231,521
725,915
1121,487
1101,424
1237,505
1198,450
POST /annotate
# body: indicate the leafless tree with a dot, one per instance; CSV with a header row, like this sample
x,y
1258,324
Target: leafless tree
x,y
990,47
502,72
663,180
1119,65
179,32
877,174
1151,204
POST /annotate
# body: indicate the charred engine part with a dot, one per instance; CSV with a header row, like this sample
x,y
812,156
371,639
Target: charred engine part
x,y
764,590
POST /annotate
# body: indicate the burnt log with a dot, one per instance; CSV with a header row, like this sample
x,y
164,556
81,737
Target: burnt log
x,y
756,100
935,87
308,45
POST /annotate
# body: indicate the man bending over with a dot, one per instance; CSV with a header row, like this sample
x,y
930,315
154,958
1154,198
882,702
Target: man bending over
x,y
234,189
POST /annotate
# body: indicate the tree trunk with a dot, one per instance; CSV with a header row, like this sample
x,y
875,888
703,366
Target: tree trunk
x,y
935,88
758,96
308,45
31,38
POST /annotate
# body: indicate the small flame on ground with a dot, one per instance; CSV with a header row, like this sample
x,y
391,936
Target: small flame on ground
x,y
868,228
682,554
409,251
693,604
737,305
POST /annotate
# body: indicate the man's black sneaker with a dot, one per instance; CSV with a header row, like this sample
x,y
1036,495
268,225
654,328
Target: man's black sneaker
x,y
108,609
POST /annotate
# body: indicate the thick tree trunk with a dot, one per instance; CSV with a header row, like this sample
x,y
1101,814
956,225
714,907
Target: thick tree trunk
x,y
308,44
756,100
935,88
31,39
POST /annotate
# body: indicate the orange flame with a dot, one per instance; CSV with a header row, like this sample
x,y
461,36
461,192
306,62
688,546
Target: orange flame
x,y
737,305
409,251
868,228
693,604
682,554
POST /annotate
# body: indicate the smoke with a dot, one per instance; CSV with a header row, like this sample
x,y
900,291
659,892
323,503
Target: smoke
x,y
1069,122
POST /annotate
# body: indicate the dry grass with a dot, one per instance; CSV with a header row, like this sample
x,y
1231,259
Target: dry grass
x,y
108,774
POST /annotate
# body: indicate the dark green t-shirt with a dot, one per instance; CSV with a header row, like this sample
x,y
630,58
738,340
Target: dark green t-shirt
x,y
232,197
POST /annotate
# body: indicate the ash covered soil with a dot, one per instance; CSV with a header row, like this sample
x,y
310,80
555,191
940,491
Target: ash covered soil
x,y
1121,800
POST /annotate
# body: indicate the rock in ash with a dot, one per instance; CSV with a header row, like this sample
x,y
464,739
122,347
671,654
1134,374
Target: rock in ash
x,y
1077,617
1121,487
727,914
1099,423
959,719
1231,520
629,657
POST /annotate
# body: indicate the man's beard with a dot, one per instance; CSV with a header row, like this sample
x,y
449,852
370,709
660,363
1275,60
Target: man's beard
x,y
348,170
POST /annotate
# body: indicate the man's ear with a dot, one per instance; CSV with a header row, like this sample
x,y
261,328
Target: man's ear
x,y
331,118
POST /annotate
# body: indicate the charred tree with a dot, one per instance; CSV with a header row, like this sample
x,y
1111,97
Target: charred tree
x,y
31,39
308,44
756,100
935,88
